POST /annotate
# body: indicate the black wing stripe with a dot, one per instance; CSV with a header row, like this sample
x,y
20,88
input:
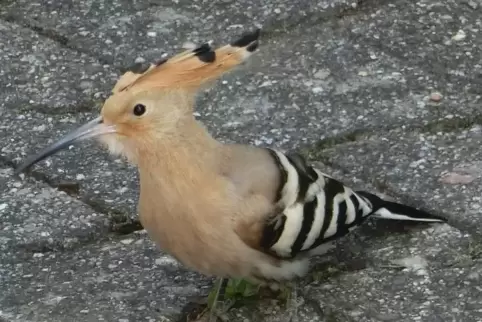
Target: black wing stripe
x,y
283,175
359,213
272,231
308,219
317,225
305,177
342,228
331,189
351,213
356,203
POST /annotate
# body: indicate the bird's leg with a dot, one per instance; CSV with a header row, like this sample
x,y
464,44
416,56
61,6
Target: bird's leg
x,y
285,292
218,295
222,289
288,297
293,304
230,292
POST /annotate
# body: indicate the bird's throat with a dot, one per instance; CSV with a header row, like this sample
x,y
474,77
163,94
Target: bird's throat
x,y
184,161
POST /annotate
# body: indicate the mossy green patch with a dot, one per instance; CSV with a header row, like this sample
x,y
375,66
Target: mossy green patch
x,y
237,291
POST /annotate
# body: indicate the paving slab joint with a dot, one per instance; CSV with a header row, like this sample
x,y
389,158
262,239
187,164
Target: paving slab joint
x,y
52,35
452,125
120,222
315,150
83,106
355,8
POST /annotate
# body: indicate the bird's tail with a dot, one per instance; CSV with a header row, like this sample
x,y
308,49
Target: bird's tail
x,y
392,210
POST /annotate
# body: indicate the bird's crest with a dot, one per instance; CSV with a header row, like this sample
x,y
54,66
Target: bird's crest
x,y
192,68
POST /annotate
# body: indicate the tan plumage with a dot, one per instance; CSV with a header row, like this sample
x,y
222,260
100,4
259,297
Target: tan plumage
x,y
188,70
227,210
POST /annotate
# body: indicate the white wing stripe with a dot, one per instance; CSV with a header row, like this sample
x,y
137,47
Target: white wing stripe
x,y
317,223
292,227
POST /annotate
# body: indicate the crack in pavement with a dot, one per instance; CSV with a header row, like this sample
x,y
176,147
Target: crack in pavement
x,y
278,27
53,35
272,30
120,222
314,151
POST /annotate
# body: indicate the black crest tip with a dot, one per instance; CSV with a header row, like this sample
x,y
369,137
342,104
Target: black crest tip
x,y
251,48
205,53
247,38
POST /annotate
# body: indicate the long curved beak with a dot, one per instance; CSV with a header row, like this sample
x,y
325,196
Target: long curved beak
x,y
89,130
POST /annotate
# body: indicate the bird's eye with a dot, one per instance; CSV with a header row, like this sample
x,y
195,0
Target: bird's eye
x,y
139,109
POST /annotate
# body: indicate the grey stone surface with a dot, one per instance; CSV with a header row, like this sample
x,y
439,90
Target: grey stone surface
x,y
38,74
119,31
401,79
305,84
38,218
120,279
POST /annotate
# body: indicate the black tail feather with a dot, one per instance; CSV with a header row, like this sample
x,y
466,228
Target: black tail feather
x,y
392,210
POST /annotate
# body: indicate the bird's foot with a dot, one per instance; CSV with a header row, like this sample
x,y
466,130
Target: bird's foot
x,y
225,294
285,293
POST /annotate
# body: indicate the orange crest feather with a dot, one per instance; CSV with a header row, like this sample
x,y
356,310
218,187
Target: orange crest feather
x,y
192,68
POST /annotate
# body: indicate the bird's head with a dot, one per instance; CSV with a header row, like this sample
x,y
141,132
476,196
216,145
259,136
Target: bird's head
x,y
151,106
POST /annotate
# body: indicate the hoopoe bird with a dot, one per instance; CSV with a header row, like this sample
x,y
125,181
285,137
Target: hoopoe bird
x,y
225,210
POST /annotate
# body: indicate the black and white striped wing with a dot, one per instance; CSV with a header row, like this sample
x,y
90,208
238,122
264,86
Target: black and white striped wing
x,y
316,208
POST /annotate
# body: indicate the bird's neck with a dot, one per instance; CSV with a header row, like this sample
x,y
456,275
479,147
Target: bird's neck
x,y
178,182
183,161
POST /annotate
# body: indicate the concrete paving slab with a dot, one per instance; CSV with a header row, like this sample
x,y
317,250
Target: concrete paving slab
x,y
442,37
85,171
38,218
334,79
125,279
38,74
121,31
